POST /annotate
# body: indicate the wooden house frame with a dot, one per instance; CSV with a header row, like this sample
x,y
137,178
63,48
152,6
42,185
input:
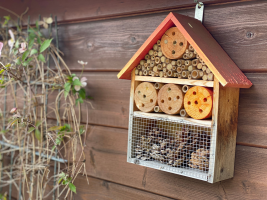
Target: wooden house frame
x,y
228,80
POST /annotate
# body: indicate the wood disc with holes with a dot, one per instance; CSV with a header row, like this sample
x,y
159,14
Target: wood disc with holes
x,y
198,102
146,97
171,98
173,43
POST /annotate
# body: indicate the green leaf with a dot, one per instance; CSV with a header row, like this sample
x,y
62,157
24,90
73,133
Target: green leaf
x,y
25,55
78,100
41,58
3,131
67,87
38,123
27,62
39,40
81,130
45,45
72,187
67,127
55,128
18,61
15,52
31,42
1,71
37,134
89,97
77,82
82,93
17,44
31,129
33,51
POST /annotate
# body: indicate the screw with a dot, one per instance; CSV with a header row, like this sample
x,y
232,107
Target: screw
x,y
249,34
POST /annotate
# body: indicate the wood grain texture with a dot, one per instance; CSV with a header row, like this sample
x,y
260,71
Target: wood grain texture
x,y
106,148
84,10
109,44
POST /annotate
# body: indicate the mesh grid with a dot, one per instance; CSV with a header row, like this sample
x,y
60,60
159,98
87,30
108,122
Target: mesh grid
x,y
174,144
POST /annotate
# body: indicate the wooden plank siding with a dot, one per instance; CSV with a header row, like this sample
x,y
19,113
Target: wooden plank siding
x,y
106,34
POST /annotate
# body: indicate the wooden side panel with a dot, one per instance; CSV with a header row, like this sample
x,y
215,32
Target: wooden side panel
x,y
225,115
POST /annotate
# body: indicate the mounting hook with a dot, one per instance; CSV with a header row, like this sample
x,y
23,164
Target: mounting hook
x,y
199,11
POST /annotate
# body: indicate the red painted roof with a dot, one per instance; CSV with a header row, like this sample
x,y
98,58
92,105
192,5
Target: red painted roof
x,y
221,65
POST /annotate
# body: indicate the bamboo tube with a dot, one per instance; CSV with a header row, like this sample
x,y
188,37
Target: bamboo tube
x,y
190,48
175,74
163,59
185,74
170,73
189,76
155,53
200,59
174,63
139,67
136,71
183,113
167,61
210,77
197,56
187,51
201,73
203,63
142,62
145,73
184,68
169,67
147,57
204,67
195,62
148,61
165,75
185,88
140,73
151,52
205,77
150,73
149,68
185,56
157,73
191,68
153,57
164,70
195,74
164,65
146,65
155,47
195,52
199,66
208,70
179,70
159,67
161,74
155,69
191,55
179,76
158,43
160,54
159,49
187,62
174,68
157,60
157,109
180,62
158,86
143,68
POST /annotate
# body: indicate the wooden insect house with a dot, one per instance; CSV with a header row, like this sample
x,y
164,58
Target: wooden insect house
x,y
183,102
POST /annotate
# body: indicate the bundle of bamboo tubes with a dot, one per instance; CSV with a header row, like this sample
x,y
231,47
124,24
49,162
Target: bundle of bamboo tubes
x,y
191,66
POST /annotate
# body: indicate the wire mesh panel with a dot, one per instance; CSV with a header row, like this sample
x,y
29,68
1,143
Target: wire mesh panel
x,y
171,145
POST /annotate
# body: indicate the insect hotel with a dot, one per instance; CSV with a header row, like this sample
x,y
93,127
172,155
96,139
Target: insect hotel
x,y
183,102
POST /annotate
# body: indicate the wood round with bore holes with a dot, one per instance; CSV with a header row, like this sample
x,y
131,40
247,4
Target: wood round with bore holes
x,y
171,98
173,43
198,102
146,97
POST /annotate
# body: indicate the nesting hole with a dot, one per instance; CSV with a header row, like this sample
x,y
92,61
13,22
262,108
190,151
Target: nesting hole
x,y
151,100
169,89
173,52
181,43
196,102
169,98
173,33
189,102
205,99
144,96
139,92
162,101
174,42
200,110
143,105
170,108
194,93
178,97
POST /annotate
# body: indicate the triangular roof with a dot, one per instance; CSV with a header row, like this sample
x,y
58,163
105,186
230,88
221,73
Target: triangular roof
x,y
221,65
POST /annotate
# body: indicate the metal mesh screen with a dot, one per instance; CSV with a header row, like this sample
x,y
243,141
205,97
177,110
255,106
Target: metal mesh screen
x,y
177,144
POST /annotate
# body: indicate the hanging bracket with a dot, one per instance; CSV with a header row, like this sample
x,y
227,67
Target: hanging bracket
x,y
199,11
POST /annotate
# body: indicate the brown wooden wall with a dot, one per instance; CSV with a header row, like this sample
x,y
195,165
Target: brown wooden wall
x,y
106,33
